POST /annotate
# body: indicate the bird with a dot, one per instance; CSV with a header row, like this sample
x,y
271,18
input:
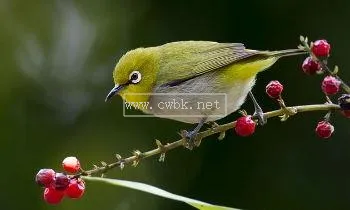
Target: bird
x,y
192,72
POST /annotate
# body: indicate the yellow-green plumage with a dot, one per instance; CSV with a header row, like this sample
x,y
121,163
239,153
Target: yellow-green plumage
x,y
145,60
194,67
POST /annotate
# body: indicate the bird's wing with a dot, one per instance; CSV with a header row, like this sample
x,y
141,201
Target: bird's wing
x,y
181,61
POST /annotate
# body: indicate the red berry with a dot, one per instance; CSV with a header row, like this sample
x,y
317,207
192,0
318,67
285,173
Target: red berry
x,y
321,48
61,181
53,196
75,188
45,177
324,129
330,85
245,126
71,164
274,89
310,66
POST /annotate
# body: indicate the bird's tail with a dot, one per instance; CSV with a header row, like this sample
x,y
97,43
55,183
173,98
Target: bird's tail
x,y
262,60
289,52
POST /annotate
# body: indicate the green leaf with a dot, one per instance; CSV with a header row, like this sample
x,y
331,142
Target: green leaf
x,y
157,191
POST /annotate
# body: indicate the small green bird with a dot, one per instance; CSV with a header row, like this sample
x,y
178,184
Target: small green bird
x,y
191,71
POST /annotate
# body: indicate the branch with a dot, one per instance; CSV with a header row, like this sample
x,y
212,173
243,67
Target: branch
x,y
162,149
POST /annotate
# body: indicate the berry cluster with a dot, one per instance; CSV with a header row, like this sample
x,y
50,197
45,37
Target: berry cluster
x,y
319,53
57,185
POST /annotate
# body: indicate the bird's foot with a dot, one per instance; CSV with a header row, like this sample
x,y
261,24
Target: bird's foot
x,y
259,115
191,139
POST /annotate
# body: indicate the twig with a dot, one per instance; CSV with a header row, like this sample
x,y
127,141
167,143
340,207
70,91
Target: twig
x,y
209,132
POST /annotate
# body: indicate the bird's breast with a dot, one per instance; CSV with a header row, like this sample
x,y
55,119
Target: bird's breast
x,y
207,95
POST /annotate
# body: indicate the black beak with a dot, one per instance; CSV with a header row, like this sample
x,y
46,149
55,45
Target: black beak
x,y
114,91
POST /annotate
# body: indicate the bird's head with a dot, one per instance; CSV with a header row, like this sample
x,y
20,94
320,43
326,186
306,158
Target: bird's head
x,y
135,75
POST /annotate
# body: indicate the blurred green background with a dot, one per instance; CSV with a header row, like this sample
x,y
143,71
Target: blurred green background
x,y
56,63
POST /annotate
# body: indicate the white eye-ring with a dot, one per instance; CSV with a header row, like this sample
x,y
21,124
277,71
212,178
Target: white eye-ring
x,y
135,77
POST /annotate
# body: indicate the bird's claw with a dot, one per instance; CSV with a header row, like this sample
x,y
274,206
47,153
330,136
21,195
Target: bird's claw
x,y
259,115
191,139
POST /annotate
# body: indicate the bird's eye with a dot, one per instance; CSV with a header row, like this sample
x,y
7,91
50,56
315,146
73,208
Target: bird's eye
x,y
135,77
